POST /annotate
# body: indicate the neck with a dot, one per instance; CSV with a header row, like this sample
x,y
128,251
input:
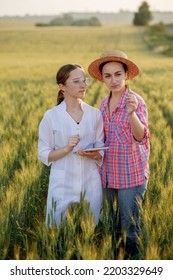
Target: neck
x,y
117,94
74,109
72,104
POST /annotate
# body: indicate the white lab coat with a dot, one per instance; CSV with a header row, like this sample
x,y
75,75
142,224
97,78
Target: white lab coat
x,y
72,174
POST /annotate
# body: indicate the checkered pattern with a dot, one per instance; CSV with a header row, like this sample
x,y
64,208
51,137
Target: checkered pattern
x,y
125,164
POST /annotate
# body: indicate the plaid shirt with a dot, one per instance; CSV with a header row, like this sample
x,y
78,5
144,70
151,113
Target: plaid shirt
x,y
125,164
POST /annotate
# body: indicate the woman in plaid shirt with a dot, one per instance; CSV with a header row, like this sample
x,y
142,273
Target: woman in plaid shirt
x,y
125,170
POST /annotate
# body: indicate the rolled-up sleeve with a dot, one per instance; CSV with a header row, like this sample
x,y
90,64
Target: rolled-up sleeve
x,y
99,141
99,136
142,114
45,140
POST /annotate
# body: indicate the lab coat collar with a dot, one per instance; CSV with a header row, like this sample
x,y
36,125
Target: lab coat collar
x,y
63,105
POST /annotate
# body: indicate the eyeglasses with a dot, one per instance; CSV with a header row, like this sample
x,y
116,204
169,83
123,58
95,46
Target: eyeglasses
x,y
79,81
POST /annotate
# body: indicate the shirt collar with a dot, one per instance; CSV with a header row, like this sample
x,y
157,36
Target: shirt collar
x,y
63,104
122,101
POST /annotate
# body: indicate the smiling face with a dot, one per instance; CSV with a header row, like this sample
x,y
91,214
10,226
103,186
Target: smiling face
x,y
75,85
114,76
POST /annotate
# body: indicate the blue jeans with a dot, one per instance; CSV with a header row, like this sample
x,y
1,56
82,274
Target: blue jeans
x,y
129,207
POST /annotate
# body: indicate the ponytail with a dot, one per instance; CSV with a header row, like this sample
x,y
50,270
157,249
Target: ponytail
x,y
60,96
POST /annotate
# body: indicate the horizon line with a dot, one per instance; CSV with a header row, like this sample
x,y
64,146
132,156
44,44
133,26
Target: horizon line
x,y
78,12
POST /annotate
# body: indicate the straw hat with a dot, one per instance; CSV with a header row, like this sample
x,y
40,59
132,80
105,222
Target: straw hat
x,y
109,56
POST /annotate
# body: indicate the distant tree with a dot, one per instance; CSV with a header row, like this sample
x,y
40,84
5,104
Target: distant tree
x,y
143,16
67,19
93,21
159,28
41,24
56,21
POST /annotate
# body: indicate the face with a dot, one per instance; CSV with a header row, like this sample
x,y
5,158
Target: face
x,y
75,85
114,76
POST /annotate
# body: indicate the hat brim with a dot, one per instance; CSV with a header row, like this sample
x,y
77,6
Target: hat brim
x,y
94,67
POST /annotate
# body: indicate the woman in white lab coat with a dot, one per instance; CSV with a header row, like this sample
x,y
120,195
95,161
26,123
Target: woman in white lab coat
x,y
64,132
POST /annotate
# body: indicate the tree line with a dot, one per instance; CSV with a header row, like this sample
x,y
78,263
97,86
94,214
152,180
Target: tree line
x,y
67,20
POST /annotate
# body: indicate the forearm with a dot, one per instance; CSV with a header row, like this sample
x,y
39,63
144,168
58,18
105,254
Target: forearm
x,y
57,154
95,155
136,127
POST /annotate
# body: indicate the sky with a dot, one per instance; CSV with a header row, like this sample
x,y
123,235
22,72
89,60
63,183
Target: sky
x,y
55,7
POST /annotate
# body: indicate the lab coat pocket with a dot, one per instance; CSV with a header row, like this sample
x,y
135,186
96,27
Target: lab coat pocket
x,y
57,183
93,180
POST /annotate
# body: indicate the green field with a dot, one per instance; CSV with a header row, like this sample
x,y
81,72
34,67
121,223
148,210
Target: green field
x,y
29,60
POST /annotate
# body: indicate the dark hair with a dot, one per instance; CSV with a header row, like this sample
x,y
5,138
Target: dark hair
x,y
62,76
102,64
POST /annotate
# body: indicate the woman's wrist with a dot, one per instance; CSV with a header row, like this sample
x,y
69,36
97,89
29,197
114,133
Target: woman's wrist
x,y
131,114
67,149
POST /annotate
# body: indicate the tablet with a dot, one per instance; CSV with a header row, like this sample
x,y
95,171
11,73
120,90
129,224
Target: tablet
x,y
95,149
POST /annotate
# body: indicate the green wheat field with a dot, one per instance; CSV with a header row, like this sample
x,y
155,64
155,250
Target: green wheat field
x,y
29,60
